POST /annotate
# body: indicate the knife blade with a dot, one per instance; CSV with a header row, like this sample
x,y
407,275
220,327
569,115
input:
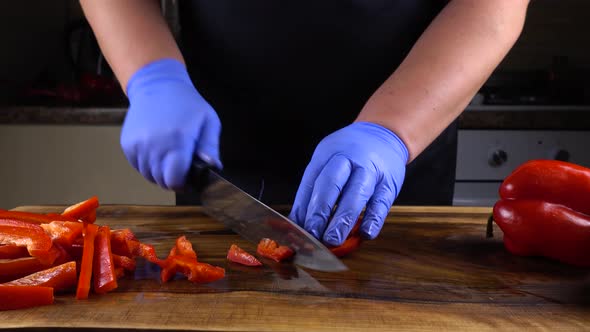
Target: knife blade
x,y
253,220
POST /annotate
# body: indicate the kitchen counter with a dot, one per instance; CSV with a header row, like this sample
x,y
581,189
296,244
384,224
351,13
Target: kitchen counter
x,y
475,117
431,268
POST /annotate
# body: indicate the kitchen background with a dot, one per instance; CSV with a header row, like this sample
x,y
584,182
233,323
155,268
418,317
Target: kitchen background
x,y
61,110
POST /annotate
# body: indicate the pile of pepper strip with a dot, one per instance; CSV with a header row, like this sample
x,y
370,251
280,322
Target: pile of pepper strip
x,y
41,254
544,211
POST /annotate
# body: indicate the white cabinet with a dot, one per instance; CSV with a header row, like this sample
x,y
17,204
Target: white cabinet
x,y
486,157
63,164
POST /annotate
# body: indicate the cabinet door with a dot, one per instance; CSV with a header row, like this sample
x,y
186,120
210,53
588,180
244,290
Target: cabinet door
x,y
55,164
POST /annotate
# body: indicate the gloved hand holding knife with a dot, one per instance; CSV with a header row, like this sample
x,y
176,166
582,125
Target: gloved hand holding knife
x,y
168,121
453,49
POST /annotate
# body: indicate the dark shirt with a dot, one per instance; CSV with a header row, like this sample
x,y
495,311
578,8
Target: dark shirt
x,y
284,74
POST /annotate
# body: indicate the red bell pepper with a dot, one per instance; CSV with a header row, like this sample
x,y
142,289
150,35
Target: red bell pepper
x,y
124,262
31,217
103,268
85,210
61,278
63,232
85,276
197,272
11,251
550,181
183,247
147,252
352,242
124,243
270,249
541,211
31,236
11,269
20,297
240,256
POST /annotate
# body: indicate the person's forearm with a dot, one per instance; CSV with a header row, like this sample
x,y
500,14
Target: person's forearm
x,y
131,33
446,67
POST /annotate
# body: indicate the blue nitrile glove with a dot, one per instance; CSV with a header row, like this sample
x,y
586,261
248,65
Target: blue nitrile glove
x,y
362,164
167,122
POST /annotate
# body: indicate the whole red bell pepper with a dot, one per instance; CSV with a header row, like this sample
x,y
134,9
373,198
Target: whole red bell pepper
x,y
541,211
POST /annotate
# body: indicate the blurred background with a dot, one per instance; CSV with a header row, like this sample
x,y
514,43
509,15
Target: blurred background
x,y
61,108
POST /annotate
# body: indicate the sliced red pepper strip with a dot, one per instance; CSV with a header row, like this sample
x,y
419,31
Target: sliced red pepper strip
x,y
270,249
352,242
11,269
31,217
20,297
240,256
83,210
124,262
63,232
349,245
61,278
83,288
11,251
103,269
197,272
31,236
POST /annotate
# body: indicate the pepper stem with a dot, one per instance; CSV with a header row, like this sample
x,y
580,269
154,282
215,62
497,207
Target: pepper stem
x,y
490,227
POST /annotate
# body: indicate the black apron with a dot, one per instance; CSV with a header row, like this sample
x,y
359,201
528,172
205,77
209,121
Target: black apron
x,y
284,74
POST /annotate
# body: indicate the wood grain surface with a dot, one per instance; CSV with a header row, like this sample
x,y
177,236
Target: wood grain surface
x,y
431,268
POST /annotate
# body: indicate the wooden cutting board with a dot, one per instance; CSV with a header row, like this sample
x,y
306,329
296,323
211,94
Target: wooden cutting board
x,y
431,268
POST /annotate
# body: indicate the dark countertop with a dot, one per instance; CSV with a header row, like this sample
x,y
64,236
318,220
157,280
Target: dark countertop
x,y
475,117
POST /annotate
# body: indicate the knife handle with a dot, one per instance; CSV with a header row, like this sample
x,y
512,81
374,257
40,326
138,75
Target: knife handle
x,y
198,175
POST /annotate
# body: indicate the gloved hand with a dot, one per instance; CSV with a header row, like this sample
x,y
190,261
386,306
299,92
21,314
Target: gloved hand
x,y
362,164
167,122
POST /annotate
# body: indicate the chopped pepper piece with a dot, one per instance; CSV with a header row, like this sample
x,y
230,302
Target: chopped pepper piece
x,y
11,269
85,210
183,247
11,251
20,297
31,236
270,249
195,271
83,288
61,278
63,232
103,268
124,262
124,242
240,256
34,218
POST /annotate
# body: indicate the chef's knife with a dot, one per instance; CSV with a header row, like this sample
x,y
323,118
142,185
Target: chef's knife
x,y
254,220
